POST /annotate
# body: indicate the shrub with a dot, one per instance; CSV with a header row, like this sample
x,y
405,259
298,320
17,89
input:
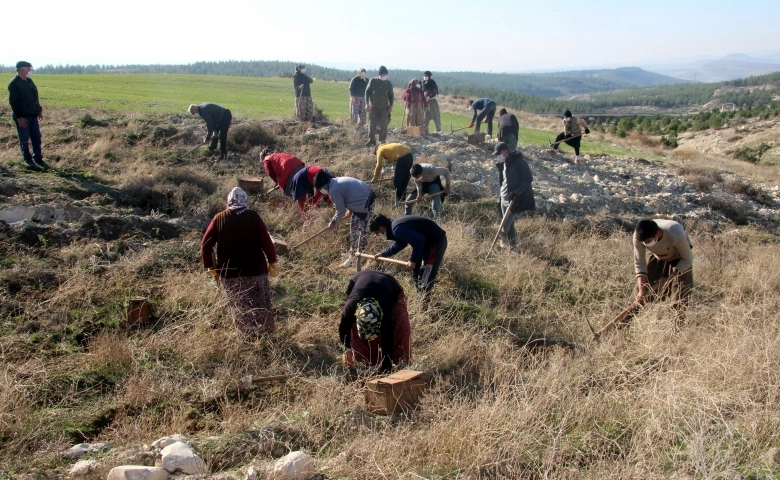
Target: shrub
x,y
242,138
751,154
173,191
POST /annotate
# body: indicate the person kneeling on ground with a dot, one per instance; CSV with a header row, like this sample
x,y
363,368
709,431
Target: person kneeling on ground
x,y
245,258
281,167
428,241
670,269
399,154
217,125
351,194
517,195
303,190
375,327
572,134
427,179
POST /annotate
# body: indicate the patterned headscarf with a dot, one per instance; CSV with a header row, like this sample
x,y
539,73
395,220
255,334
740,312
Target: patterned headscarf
x,y
237,200
369,319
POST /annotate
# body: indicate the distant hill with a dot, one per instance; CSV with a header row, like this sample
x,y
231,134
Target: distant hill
x,y
730,67
626,77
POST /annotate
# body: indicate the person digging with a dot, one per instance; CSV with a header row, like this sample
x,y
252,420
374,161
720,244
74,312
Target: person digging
x,y
573,129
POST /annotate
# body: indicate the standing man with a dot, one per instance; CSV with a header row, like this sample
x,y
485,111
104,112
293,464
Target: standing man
x,y
351,194
357,97
304,107
508,129
483,109
27,113
379,105
517,196
431,91
427,179
217,124
428,241
671,262
572,134
401,155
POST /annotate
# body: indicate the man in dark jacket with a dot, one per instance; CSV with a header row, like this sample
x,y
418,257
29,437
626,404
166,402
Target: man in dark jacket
x,y
379,105
304,106
217,124
357,97
482,109
431,91
27,113
517,196
428,241
508,129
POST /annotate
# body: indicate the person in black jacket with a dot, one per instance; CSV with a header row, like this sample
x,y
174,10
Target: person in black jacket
x,y
482,109
517,195
508,129
27,113
217,124
357,97
374,327
428,241
304,106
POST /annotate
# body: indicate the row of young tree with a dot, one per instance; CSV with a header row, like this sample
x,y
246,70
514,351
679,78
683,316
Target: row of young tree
x,y
671,127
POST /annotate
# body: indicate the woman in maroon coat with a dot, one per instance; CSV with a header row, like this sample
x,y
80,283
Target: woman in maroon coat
x,y
245,257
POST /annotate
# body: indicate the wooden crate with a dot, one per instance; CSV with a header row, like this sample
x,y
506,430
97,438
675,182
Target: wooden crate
x,y
415,131
138,311
399,391
477,138
250,184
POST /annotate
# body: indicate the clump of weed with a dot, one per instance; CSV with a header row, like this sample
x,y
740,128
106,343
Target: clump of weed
x,y
740,187
171,191
752,154
702,179
243,138
88,120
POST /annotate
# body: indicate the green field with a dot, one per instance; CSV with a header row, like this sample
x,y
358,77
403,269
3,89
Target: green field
x,y
248,97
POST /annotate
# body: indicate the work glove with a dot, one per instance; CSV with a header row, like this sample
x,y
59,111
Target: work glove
x,y
214,273
273,269
471,125
587,131
512,197
348,358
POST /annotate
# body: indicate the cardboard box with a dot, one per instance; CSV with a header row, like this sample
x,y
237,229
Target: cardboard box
x,y
415,131
477,138
394,393
138,311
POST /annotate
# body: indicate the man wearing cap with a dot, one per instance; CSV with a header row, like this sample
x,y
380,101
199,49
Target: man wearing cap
x,y
27,113
357,97
217,124
573,129
431,91
517,195
482,109
304,106
379,105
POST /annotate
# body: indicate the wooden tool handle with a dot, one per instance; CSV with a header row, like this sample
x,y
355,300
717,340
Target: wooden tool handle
x,y
383,259
425,197
310,238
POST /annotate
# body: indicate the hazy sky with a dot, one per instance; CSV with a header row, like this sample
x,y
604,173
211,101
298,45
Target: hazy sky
x,y
498,35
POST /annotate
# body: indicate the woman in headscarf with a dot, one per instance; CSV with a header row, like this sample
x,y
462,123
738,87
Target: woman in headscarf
x,y
304,107
245,257
415,104
375,327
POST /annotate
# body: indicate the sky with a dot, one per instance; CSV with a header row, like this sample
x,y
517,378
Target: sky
x,y
452,35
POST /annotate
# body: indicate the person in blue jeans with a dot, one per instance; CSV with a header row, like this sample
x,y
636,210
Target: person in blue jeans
x,y
482,109
27,113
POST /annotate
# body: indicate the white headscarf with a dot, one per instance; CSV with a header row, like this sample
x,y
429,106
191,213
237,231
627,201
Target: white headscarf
x,y
237,200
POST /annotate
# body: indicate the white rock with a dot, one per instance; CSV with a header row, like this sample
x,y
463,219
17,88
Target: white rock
x,y
179,457
545,194
137,472
294,466
82,467
170,440
17,213
77,451
587,177
649,209
251,473
471,176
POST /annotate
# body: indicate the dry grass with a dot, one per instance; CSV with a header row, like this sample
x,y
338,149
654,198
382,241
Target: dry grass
x,y
644,403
